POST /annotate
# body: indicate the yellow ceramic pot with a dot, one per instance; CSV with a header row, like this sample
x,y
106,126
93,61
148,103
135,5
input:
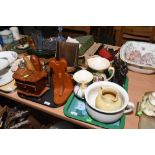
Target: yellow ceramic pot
x,y
108,99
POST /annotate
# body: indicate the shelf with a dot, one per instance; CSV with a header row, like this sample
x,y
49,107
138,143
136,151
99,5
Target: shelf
x,y
57,112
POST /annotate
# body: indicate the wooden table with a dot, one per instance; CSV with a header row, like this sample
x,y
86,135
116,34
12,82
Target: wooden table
x,y
138,85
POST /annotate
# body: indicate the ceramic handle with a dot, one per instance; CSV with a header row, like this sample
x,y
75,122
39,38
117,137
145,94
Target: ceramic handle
x,y
129,107
83,86
113,72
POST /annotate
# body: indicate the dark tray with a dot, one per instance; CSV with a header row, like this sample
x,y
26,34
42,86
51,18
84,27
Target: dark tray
x,y
75,108
45,99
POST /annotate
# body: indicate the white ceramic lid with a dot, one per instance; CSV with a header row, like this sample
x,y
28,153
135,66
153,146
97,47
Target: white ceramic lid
x,y
83,76
5,32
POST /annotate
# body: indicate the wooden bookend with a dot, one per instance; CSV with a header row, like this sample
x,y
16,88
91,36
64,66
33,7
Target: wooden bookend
x,y
63,83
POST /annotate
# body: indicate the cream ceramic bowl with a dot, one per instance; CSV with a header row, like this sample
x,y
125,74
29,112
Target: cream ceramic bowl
x,y
106,116
98,63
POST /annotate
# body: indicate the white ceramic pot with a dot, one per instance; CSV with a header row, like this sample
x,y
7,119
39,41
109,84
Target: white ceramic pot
x,y
82,77
106,116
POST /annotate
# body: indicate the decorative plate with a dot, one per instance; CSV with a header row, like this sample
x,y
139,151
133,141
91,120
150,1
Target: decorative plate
x,y
6,77
10,87
7,58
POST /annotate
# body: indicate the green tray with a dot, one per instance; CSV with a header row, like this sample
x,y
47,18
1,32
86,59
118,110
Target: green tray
x,y
75,108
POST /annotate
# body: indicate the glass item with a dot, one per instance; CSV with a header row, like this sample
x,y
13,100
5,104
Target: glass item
x,y
0,47
60,37
43,47
38,39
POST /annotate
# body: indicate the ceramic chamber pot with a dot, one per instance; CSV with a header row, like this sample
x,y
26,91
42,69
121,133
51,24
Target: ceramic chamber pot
x,y
102,115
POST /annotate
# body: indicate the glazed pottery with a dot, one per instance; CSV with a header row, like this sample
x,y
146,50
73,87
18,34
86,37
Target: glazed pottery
x,y
152,98
148,104
6,76
82,77
10,87
100,64
15,33
7,58
143,48
108,99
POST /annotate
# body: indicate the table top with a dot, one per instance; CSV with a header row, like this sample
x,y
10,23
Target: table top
x,y
137,86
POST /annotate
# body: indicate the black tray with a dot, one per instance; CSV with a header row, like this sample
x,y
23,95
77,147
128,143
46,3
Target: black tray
x,y
46,99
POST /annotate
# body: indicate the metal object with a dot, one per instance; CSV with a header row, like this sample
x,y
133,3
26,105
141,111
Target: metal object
x,y
49,77
20,114
21,64
19,124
